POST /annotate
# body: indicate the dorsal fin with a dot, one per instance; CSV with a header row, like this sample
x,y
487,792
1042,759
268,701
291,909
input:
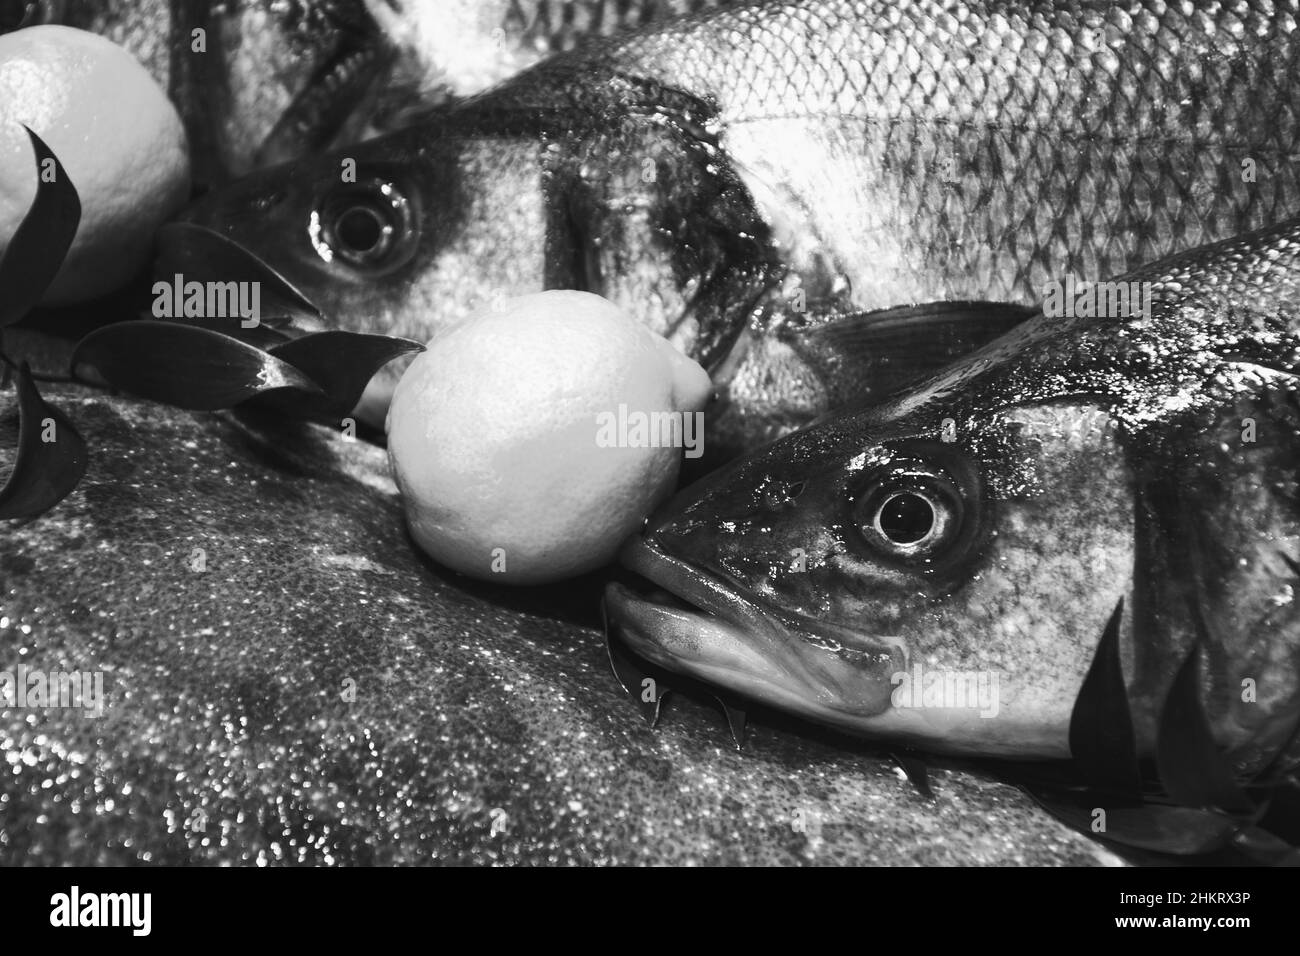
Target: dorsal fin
x,y
864,356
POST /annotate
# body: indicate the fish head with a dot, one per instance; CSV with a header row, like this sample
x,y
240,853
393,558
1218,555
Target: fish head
x,y
975,535
413,231
356,230
400,234
933,580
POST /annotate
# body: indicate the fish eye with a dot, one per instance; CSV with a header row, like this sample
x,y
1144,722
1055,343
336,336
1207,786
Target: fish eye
x,y
369,225
360,230
906,518
911,512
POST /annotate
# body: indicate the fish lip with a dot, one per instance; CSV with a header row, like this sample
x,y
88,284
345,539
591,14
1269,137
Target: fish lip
x,y
724,638
712,597
304,120
704,592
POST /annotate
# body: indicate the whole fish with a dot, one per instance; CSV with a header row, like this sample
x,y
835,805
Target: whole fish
x,y
939,570
738,178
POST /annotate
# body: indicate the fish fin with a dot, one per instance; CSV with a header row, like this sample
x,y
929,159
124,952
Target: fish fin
x,y
864,356
632,677
918,775
1102,742
736,721
1192,769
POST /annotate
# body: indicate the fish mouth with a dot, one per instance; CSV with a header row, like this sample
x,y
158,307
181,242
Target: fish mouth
x,y
327,107
712,632
317,66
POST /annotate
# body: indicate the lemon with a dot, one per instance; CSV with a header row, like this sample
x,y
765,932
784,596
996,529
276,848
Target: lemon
x,y
514,437
118,137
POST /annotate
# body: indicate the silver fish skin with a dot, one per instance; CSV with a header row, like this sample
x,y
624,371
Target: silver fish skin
x,y
982,528
738,179
456,48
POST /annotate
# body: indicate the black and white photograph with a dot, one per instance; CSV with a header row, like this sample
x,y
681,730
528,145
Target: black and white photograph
x,y
651,433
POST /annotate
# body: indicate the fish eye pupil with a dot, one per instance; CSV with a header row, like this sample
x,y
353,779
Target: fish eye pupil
x,y
360,229
906,518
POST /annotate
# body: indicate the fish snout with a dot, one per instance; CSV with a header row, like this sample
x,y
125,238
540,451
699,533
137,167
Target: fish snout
x,y
245,207
695,621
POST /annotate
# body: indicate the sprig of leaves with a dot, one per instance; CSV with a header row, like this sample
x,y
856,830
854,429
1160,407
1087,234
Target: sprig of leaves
x,y
212,362
51,457
194,363
200,368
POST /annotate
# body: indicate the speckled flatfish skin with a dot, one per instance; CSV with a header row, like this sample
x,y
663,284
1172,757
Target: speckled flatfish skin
x,y
231,580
